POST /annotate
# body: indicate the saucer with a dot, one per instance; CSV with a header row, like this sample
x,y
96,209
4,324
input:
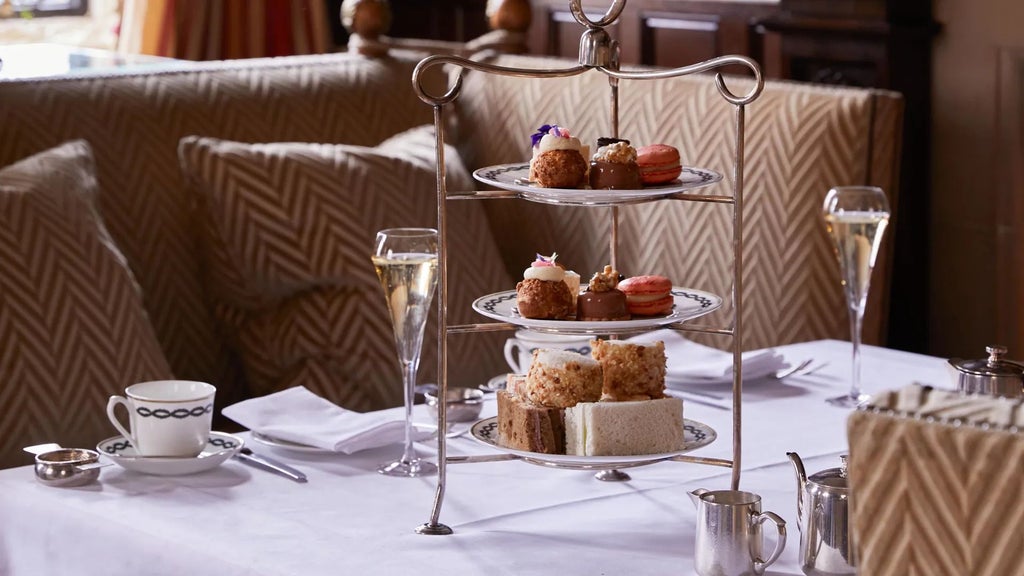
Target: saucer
x,y
494,384
220,447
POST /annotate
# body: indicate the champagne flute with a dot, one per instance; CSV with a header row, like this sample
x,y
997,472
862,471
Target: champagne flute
x,y
406,263
856,218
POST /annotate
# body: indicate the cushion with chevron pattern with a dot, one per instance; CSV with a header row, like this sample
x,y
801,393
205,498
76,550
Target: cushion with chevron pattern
x,y
801,139
936,483
73,329
287,234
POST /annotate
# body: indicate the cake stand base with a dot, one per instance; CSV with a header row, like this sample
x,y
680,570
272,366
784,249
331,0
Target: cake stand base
x,y
433,529
612,476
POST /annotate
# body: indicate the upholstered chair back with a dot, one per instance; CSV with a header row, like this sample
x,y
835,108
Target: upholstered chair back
x,y
800,140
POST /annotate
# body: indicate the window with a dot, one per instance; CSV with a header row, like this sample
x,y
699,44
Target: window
x,y
40,8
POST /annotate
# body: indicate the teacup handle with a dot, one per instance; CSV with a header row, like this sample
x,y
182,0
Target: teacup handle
x,y
111,404
510,346
780,525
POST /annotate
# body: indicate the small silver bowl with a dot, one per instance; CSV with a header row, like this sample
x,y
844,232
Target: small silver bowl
x,y
68,467
464,404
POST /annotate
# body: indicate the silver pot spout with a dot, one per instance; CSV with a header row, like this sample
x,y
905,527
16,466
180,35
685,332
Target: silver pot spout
x,y
801,483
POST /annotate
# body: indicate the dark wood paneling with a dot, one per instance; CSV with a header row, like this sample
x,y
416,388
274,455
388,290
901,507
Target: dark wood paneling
x,y
678,39
656,32
1009,237
454,20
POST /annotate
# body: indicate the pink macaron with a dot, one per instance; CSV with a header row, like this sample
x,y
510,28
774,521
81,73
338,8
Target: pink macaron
x,y
659,163
649,295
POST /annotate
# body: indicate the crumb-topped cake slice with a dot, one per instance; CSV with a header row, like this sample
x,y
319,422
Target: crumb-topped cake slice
x,y
631,371
561,378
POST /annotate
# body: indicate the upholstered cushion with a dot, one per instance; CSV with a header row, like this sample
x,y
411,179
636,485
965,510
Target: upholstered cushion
x,y
288,230
134,121
73,329
800,140
917,455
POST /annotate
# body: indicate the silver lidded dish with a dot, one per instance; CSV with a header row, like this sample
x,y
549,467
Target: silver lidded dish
x,y
68,467
994,375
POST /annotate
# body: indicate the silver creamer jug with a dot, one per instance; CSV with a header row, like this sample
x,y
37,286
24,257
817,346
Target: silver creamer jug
x,y
823,510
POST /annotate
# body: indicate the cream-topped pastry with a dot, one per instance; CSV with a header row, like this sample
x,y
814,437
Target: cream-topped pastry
x,y
544,270
557,139
543,293
558,158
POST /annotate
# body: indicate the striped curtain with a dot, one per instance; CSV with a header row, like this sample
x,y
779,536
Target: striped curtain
x,y
223,29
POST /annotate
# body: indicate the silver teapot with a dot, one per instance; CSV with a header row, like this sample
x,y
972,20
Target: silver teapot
x,y
823,510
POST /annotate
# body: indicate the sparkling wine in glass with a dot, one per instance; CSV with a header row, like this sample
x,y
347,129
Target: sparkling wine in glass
x,y
406,263
856,218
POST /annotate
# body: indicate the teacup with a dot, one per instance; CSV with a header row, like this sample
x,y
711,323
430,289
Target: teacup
x,y
166,417
519,350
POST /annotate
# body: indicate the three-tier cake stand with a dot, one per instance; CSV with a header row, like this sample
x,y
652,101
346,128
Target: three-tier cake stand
x,y
600,53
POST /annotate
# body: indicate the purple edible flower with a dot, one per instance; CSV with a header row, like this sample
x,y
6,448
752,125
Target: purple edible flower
x,y
547,259
535,138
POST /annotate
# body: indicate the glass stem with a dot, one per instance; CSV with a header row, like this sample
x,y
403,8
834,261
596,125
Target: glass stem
x,y
856,319
409,380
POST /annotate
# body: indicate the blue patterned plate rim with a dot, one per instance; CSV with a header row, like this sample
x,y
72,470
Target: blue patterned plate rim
x,y
695,435
117,448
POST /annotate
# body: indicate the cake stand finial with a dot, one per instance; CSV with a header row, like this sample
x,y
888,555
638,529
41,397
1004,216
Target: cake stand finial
x,y
366,21
509,15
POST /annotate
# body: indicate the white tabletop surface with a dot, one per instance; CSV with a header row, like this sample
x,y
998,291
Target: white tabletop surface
x,y
508,517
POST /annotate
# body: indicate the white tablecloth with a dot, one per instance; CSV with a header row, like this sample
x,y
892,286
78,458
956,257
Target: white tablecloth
x,y
508,517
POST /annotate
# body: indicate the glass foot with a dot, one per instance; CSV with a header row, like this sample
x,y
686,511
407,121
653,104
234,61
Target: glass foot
x,y
408,468
848,401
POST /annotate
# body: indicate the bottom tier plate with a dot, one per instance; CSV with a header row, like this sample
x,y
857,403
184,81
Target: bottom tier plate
x,y
695,435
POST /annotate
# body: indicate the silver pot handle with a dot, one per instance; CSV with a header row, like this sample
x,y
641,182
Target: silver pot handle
x,y
780,544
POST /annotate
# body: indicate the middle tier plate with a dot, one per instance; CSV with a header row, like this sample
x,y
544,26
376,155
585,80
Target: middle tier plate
x,y
513,177
688,304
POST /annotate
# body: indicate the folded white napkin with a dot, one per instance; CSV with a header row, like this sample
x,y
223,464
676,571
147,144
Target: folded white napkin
x,y
298,415
693,363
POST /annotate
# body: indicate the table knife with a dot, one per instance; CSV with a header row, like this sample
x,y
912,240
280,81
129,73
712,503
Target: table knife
x,y
246,456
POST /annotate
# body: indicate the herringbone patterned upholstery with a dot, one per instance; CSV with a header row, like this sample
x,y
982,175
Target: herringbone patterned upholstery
x,y
134,122
73,328
290,229
801,140
934,498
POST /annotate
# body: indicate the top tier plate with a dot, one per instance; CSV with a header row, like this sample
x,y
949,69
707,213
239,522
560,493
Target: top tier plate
x,y
514,177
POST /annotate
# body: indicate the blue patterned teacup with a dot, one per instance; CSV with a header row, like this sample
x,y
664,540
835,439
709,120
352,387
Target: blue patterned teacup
x,y
519,350
166,417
